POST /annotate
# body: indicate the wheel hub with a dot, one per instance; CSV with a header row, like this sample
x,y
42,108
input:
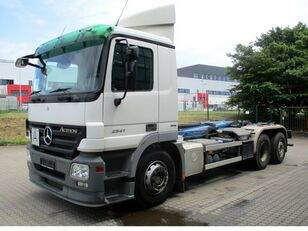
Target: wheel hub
x,y
281,150
156,177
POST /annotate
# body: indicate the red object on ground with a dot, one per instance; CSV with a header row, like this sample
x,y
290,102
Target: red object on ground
x,y
15,90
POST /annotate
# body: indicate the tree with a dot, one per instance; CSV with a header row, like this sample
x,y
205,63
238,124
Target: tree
x,y
273,70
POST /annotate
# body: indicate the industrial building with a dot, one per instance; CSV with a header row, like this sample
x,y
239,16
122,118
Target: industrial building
x,y
9,74
209,81
15,82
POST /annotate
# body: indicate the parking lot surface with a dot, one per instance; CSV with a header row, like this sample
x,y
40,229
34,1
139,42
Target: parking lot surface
x,y
231,195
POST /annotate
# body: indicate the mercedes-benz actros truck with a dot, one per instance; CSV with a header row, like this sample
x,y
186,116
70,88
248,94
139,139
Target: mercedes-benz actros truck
x,y
103,117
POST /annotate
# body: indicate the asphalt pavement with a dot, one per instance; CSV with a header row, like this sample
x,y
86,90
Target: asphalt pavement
x,y
231,195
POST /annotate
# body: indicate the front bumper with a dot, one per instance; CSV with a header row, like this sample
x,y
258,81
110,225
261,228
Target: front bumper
x,y
59,182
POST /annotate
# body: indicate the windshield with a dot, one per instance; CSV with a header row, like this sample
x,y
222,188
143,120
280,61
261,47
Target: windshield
x,y
73,72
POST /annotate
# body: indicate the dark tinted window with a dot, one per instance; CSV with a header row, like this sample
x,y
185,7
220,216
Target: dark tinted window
x,y
142,80
183,90
6,81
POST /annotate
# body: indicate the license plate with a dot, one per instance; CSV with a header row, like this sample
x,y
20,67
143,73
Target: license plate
x,y
35,136
48,163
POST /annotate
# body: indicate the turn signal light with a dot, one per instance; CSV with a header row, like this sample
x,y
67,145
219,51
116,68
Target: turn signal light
x,y
99,169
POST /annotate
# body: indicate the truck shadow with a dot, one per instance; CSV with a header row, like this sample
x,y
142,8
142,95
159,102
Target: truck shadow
x,y
129,213
59,212
132,214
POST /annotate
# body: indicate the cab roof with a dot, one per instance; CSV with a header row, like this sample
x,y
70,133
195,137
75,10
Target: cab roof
x,y
91,36
76,40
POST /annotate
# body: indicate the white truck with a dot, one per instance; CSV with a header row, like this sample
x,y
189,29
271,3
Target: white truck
x,y
103,117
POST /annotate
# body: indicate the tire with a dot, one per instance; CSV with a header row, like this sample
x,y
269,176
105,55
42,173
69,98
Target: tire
x,y
279,147
263,152
155,178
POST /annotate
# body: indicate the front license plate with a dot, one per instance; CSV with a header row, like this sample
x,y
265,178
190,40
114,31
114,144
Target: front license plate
x,y
35,136
48,163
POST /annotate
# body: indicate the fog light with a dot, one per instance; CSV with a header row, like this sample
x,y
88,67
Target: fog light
x,y
82,184
28,156
80,171
28,135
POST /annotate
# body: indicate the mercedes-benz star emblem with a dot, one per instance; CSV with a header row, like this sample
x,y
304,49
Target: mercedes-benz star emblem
x,y
47,136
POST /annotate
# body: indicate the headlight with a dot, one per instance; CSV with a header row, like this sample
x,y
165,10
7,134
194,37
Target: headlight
x,y
80,171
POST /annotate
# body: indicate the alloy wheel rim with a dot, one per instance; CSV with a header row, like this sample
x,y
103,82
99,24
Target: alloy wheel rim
x,y
156,177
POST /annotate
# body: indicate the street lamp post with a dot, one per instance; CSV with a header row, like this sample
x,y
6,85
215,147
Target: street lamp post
x,y
20,103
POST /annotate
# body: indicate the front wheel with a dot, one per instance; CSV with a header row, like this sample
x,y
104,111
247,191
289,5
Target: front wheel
x,y
263,152
155,178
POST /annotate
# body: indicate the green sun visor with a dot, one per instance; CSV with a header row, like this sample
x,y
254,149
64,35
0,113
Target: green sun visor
x,y
76,40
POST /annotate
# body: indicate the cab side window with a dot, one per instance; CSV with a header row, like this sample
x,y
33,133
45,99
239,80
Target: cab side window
x,y
143,78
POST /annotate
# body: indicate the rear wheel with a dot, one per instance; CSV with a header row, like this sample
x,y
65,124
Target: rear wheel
x,y
262,156
155,178
279,145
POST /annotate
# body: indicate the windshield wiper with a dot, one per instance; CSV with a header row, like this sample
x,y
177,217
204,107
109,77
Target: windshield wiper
x,y
35,92
60,89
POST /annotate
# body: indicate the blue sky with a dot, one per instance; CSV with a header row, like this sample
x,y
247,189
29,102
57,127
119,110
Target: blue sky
x,y
22,20
205,30
25,24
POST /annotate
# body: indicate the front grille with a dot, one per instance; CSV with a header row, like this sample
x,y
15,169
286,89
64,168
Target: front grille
x,y
64,144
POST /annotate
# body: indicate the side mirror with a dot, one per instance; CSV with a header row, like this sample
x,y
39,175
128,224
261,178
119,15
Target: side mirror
x,y
24,61
21,62
132,54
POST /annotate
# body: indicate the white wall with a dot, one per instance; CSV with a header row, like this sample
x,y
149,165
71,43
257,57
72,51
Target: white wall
x,y
202,85
9,71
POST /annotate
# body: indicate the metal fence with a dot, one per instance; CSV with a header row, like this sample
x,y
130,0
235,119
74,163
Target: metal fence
x,y
8,103
261,113
196,110
294,118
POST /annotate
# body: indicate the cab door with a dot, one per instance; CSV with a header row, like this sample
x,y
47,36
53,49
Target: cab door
x,y
137,116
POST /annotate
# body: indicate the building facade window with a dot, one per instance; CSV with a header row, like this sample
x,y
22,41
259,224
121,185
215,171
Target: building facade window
x,y
213,77
184,90
6,81
17,93
212,92
196,75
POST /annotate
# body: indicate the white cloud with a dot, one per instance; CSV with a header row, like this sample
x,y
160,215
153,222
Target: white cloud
x,y
206,30
11,50
81,13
